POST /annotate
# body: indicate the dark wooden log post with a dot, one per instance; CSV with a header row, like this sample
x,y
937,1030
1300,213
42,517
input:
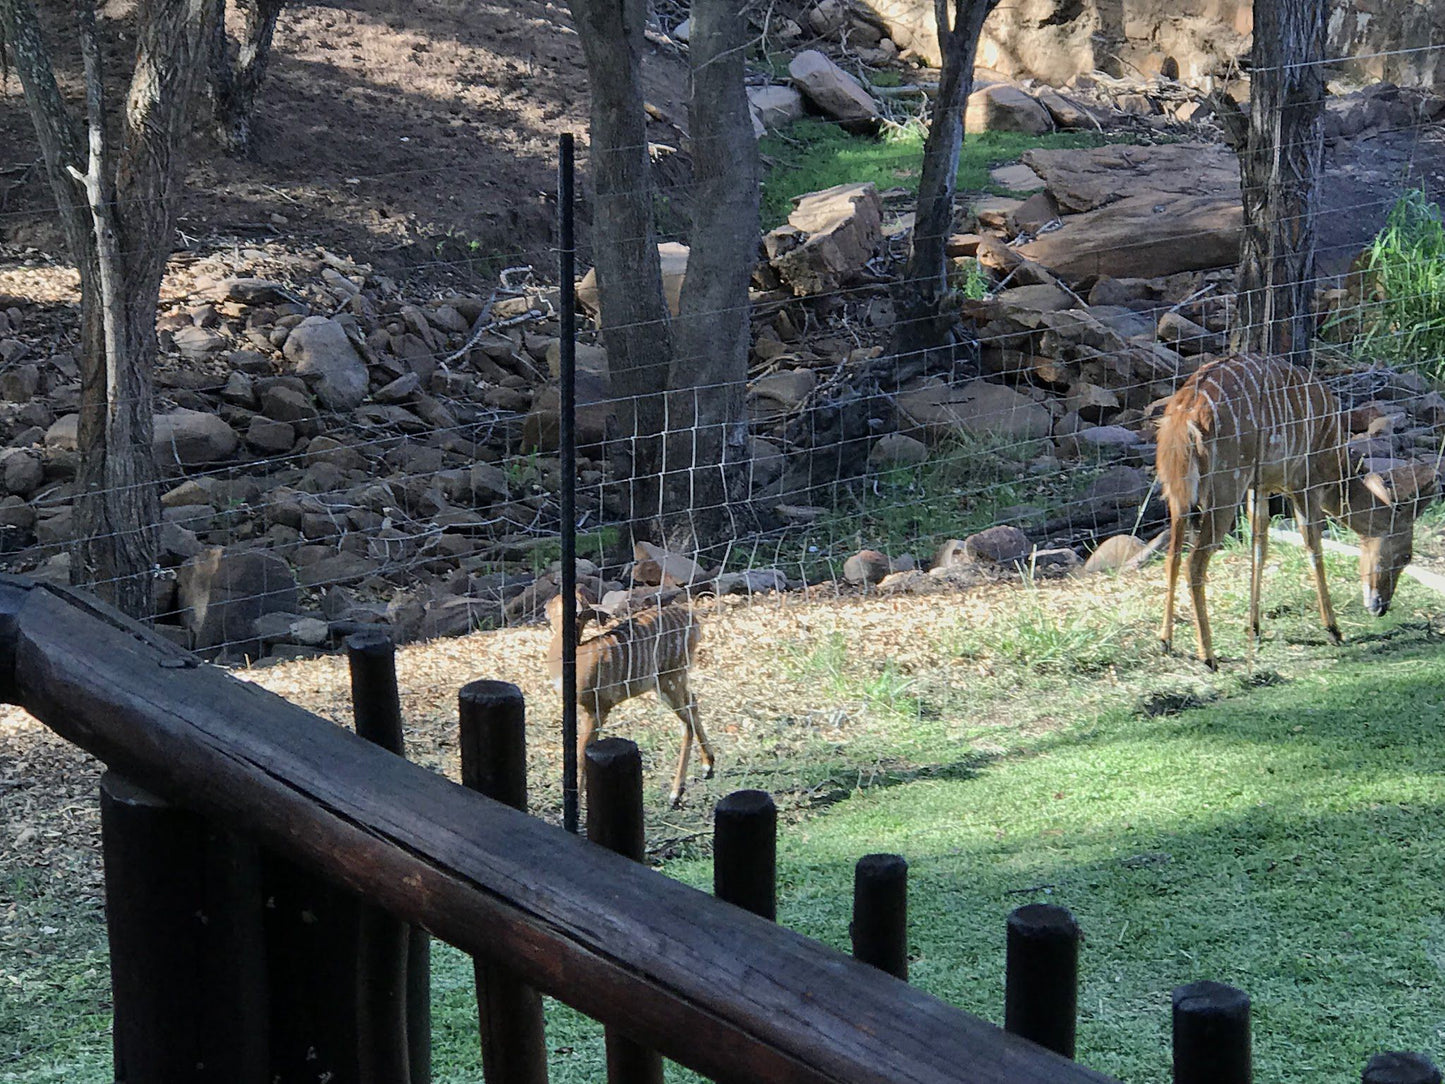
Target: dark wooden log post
x,y
1211,1034
745,852
880,913
494,763
1042,978
614,821
1400,1067
393,996
183,910
311,932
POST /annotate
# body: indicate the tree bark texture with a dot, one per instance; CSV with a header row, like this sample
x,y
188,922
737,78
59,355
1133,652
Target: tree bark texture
x,y
1279,168
922,323
706,467
236,82
636,329
117,210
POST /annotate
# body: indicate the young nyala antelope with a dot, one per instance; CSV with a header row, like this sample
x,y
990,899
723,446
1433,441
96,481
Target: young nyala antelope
x,y
650,650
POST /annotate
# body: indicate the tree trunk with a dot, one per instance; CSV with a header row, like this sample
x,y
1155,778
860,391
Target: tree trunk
x,y
118,215
922,322
1279,168
635,324
706,468
236,83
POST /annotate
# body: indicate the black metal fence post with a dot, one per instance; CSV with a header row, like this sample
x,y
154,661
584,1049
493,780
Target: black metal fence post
x,y
567,451
494,763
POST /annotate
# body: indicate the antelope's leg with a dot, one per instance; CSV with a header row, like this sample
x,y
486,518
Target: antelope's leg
x,y
587,726
1214,524
679,697
1258,551
1171,577
1310,519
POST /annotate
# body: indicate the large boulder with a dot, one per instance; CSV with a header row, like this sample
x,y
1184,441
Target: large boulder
x,y
222,592
781,392
976,409
21,471
671,255
775,106
326,359
833,91
1002,107
1055,40
192,438
829,236
594,408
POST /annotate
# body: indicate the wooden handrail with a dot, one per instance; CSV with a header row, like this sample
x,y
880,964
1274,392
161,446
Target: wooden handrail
x,y
709,985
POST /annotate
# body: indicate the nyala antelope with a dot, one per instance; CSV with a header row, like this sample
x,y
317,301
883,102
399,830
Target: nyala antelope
x,y
1249,427
652,650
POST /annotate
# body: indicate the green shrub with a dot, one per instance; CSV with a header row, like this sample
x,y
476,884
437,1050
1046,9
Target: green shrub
x,y
1399,316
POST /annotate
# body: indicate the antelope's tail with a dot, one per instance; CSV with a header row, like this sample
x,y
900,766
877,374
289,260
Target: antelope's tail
x,y
1181,458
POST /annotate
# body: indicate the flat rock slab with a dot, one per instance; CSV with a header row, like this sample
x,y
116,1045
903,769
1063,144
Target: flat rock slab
x,y
1087,178
1016,178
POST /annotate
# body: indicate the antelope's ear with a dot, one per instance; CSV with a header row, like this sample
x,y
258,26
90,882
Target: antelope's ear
x,y
1379,487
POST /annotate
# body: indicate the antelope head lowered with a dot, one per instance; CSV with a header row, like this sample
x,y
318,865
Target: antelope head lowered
x,y
1381,509
1245,428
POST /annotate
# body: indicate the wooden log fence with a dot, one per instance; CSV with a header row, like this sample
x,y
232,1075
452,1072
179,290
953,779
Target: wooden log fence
x,y
221,794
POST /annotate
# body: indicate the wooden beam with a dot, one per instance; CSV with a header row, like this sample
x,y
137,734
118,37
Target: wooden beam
x,y
713,987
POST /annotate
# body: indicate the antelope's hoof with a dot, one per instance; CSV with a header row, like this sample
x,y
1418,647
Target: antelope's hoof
x,y
707,772
675,799
1335,636
1212,663
1254,633
1166,646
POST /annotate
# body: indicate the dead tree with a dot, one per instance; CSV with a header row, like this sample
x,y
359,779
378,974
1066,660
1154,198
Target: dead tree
x,y
923,322
117,209
236,78
1279,168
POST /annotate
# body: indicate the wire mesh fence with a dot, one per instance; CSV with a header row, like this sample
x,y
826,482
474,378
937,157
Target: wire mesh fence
x,y
339,454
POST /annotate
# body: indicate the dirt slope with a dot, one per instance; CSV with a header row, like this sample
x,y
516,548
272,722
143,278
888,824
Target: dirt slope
x,y
411,133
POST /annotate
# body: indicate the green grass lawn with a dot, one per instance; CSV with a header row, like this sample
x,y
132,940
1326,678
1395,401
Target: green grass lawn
x,y
1276,825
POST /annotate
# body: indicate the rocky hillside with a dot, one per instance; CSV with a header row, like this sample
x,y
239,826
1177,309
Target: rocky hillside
x,y
346,447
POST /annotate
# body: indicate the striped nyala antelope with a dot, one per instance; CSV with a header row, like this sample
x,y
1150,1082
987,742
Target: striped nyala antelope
x,y
650,650
1249,427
